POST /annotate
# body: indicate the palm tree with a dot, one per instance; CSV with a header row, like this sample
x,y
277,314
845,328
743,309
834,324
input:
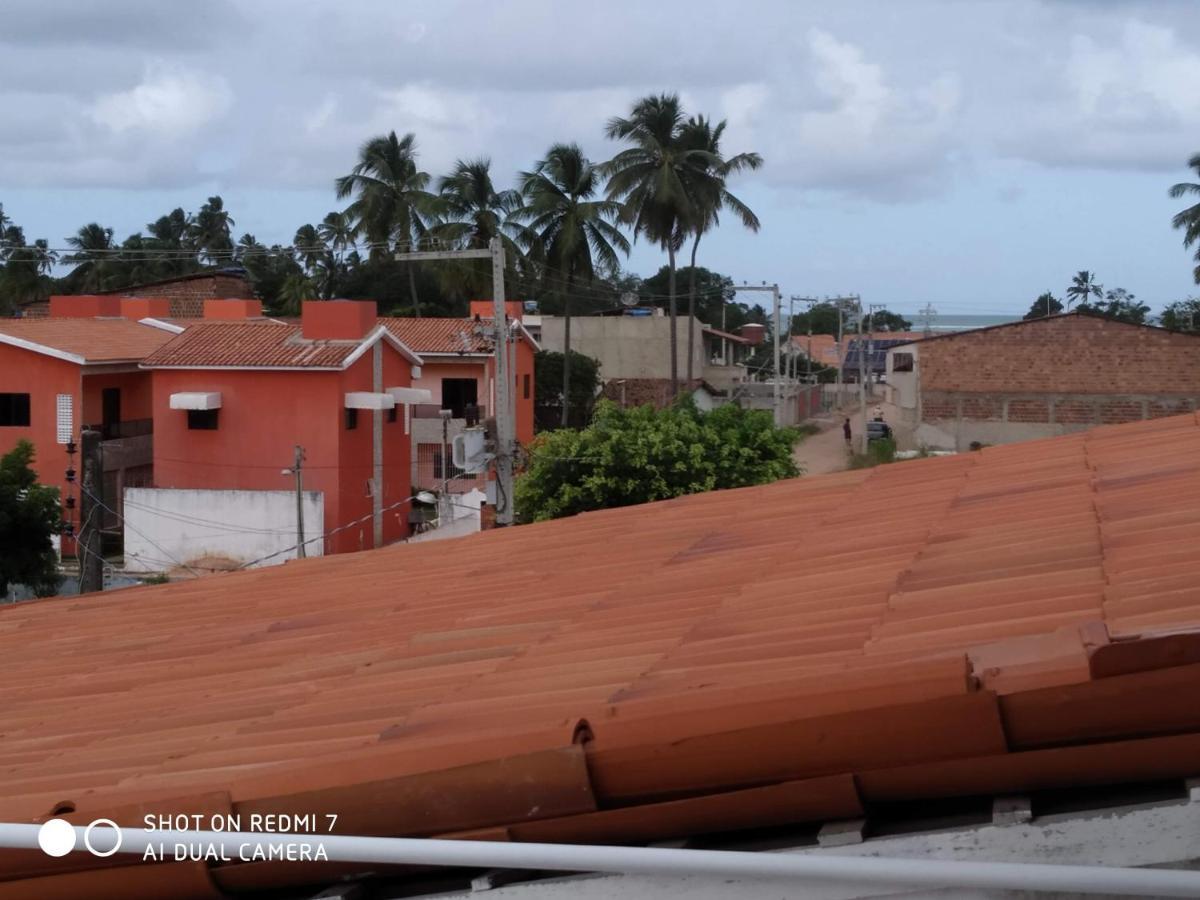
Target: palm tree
x,y
308,246
472,212
1189,219
93,246
336,231
568,230
392,206
654,180
210,231
1083,287
248,246
710,195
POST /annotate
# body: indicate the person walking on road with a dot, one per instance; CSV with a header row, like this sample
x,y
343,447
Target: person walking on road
x,y
846,432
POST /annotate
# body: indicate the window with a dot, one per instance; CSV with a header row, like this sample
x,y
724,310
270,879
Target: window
x,y
202,419
351,419
392,414
902,362
458,394
526,386
110,412
14,410
448,471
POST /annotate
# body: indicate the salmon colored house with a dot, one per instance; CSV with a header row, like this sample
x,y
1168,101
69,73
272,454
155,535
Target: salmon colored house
x,y
459,372
78,369
232,399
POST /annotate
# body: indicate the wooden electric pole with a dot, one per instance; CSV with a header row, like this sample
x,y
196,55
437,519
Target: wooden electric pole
x,y
299,475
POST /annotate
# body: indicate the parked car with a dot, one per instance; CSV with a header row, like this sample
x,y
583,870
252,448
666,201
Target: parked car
x,y
878,431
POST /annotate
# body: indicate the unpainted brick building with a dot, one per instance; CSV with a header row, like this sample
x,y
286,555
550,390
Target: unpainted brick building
x,y
1040,378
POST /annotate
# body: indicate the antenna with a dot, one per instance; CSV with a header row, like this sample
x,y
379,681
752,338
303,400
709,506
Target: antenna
x,y
927,315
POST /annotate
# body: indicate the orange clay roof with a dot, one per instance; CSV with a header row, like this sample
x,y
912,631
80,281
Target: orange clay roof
x,y
261,343
443,335
1018,618
86,340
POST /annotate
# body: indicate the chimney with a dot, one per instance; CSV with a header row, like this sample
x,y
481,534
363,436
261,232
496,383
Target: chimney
x,y
514,309
136,308
487,517
753,332
232,310
88,306
337,320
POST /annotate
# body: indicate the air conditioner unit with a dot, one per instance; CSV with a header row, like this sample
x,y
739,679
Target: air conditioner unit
x,y
470,451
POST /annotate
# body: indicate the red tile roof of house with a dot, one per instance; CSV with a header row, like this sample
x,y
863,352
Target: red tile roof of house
x,y
443,335
1020,618
251,344
85,340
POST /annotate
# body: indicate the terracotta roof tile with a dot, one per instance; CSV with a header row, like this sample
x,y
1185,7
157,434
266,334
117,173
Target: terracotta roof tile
x,y
249,344
92,340
1034,606
439,335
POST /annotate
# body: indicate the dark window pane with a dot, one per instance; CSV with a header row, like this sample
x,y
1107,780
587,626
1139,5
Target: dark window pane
x,y
14,410
202,419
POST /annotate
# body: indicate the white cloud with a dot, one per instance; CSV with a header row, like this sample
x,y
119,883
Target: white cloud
x,y
171,101
320,117
837,121
1124,98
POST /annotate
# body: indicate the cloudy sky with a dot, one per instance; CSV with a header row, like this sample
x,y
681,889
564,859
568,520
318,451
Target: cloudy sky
x,y
966,154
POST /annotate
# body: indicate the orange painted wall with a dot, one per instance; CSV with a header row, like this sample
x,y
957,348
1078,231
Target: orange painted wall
x,y
436,368
524,369
263,415
136,396
43,378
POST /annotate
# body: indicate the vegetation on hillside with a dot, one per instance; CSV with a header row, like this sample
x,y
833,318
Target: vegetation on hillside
x,y
29,518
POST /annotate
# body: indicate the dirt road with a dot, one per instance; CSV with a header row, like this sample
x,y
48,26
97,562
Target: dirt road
x,y
824,452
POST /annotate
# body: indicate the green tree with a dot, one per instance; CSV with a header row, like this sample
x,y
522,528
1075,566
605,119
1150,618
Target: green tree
x,y
629,456
1083,288
549,383
1182,315
94,261
1045,305
29,517
472,211
568,231
714,294
709,195
211,231
392,205
1189,219
824,320
655,180
1120,305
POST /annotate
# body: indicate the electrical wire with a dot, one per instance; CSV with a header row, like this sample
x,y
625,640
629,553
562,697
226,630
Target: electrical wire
x,y
136,531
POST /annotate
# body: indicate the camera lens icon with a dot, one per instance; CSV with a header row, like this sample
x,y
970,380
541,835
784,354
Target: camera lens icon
x,y
57,837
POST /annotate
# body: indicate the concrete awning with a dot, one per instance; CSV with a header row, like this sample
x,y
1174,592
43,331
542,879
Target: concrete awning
x,y
196,400
410,395
369,400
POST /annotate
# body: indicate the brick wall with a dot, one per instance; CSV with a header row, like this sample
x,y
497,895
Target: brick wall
x,y
1079,410
1069,354
187,295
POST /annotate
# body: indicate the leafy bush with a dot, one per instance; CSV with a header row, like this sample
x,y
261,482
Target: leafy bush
x,y
878,453
29,517
629,456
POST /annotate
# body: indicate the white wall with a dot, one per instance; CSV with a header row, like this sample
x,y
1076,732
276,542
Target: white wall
x,y
215,529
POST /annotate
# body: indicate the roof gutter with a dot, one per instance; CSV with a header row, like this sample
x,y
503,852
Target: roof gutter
x,y
101,839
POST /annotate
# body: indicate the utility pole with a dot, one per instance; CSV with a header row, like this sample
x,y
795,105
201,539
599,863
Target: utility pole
x,y
297,463
838,350
91,515
862,382
927,314
504,413
777,297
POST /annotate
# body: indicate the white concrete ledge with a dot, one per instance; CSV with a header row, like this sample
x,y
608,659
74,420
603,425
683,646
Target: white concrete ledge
x,y
369,400
410,395
196,400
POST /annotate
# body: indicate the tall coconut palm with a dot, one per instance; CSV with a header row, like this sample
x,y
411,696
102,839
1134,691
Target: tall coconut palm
x,y
1083,288
93,245
569,230
309,247
654,180
392,206
210,231
1189,219
472,212
709,196
248,247
337,232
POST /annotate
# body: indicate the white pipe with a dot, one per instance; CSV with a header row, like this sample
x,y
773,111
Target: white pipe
x,y
641,860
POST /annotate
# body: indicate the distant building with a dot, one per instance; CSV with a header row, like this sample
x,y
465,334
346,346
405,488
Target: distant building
x,y
1040,378
232,399
636,349
77,369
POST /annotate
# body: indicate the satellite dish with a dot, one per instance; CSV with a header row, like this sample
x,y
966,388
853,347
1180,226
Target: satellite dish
x,y
629,298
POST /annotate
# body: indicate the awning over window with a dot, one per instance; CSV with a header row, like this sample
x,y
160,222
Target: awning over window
x,y
196,400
